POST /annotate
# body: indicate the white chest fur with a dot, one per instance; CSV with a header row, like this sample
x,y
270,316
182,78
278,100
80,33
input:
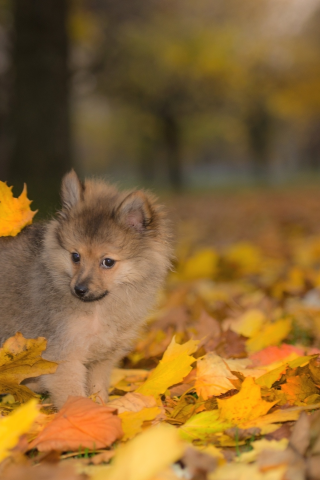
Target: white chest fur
x,y
90,334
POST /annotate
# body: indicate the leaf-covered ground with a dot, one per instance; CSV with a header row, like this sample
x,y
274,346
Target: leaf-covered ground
x,y
224,383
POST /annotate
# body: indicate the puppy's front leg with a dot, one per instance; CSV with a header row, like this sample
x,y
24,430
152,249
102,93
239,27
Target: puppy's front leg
x,y
99,378
69,379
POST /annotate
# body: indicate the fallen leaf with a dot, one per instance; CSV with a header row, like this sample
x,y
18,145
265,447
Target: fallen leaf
x,y
174,366
145,456
248,324
132,402
278,416
199,464
203,425
130,375
314,369
46,471
102,457
132,421
245,405
20,358
185,408
273,354
236,471
259,446
298,388
16,424
269,378
215,374
231,344
15,213
270,334
80,423
202,264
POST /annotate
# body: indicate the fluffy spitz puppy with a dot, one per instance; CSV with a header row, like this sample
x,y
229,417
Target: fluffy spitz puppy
x,y
85,281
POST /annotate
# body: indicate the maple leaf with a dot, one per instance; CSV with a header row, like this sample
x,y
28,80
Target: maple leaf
x,y
248,324
174,366
132,421
269,378
203,425
270,334
15,213
273,354
132,402
202,264
261,445
145,456
298,388
214,374
245,405
20,358
14,425
80,423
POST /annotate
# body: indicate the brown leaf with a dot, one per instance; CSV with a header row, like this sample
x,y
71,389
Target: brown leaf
x,y
199,464
45,471
298,388
80,423
242,433
20,358
300,437
103,457
232,345
132,402
314,368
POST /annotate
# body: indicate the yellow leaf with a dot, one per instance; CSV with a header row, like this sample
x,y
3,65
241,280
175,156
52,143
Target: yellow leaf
x,y
270,334
245,405
246,256
145,456
203,425
202,264
249,324
259,446
20,358
15,425
15,213
173,367
119,374
268,379
132,421
279,416
214,374
236,471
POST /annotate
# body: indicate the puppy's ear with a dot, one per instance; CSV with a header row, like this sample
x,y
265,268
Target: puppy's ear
x,y
135,211
71,190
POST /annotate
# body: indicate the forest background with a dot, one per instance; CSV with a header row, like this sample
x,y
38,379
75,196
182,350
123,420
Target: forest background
x,y
171,94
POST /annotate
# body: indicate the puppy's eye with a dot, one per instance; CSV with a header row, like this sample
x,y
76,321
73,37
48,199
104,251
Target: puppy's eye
x,y
108,263
75,257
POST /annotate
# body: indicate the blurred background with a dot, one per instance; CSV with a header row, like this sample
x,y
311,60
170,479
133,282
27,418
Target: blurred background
x,y
194,98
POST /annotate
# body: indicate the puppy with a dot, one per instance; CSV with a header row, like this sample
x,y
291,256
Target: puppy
x,y
85,281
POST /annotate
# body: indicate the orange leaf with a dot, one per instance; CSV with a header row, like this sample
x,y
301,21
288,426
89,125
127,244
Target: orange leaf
x,y
80,423
15,213
298,388
273,354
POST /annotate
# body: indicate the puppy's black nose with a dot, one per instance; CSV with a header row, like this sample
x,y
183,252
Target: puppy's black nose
x,y
81,290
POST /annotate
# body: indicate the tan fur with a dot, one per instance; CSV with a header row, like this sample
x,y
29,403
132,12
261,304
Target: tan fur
x,y
88,335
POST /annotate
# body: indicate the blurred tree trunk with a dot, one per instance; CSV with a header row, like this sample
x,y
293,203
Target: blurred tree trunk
x,y
258,122
40,111
147,161
171,138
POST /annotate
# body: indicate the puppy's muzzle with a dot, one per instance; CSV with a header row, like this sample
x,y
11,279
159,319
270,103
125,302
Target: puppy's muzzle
x,y
80,290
